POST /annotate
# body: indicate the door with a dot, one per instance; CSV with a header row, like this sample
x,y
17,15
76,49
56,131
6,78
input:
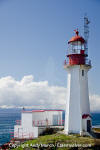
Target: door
x,y
88,125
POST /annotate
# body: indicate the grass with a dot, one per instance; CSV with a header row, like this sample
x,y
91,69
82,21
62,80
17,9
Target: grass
x,y
96,130
58,141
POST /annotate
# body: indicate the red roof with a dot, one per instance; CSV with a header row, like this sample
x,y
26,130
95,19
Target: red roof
x,y
37,110
84,116
40,110
76,38
53,110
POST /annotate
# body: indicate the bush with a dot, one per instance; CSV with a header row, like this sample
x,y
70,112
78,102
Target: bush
x,y
49,131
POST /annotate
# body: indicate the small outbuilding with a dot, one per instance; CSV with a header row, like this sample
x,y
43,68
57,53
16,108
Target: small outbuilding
x,y
32,122
86,122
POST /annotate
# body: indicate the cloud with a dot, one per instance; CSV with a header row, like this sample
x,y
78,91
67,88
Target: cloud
x,y
95,102
31,94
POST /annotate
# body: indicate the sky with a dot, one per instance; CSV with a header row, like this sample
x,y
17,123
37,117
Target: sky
x,y
33,45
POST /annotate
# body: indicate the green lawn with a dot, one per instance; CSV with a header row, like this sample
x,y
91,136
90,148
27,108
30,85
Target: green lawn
x,y
59,141
96,130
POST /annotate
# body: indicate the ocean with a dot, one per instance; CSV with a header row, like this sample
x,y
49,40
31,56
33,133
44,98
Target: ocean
x,y
8,119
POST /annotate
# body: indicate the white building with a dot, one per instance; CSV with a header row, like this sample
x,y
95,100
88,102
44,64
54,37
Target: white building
x,y
35,121
77,116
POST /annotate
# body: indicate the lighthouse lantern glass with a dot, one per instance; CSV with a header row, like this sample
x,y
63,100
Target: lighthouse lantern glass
x,y
75,47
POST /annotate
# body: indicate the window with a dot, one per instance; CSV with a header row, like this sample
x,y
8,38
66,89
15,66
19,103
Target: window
x,y
82,72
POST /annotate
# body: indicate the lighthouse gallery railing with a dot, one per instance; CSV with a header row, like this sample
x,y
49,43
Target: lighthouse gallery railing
x,y
87,61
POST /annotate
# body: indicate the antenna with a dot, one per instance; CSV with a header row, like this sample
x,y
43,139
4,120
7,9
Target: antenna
x,y
86,33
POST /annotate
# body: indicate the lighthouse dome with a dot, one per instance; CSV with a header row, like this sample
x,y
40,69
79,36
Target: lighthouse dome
x,y
76,38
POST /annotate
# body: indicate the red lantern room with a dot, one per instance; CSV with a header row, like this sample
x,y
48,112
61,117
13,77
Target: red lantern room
x,y
76,52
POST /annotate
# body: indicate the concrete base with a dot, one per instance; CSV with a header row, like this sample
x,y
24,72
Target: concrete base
x,y
81,133
21,132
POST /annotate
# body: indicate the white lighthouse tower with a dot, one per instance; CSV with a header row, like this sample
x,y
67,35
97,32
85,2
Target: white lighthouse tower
x,y
77,116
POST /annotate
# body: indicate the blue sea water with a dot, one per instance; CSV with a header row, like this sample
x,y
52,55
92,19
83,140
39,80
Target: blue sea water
x,y
8,119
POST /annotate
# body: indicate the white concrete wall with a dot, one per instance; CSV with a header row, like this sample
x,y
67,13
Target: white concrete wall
x,y
21,132
73,118
38,118
51,115
26,119
84,93
60,117
46,115
29,130
77,98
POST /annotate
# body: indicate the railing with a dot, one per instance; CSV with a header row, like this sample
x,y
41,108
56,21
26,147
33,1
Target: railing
x,y
66,61
87,62
40,123
18,122
76,51
23,135
73,51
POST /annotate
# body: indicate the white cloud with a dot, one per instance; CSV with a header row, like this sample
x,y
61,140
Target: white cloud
x,y
29,93
95,102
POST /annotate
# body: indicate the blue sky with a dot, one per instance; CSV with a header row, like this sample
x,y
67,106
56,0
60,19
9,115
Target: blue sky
x,y
34,35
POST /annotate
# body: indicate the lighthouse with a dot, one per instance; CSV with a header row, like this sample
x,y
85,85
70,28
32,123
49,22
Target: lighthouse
x,y
77,65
